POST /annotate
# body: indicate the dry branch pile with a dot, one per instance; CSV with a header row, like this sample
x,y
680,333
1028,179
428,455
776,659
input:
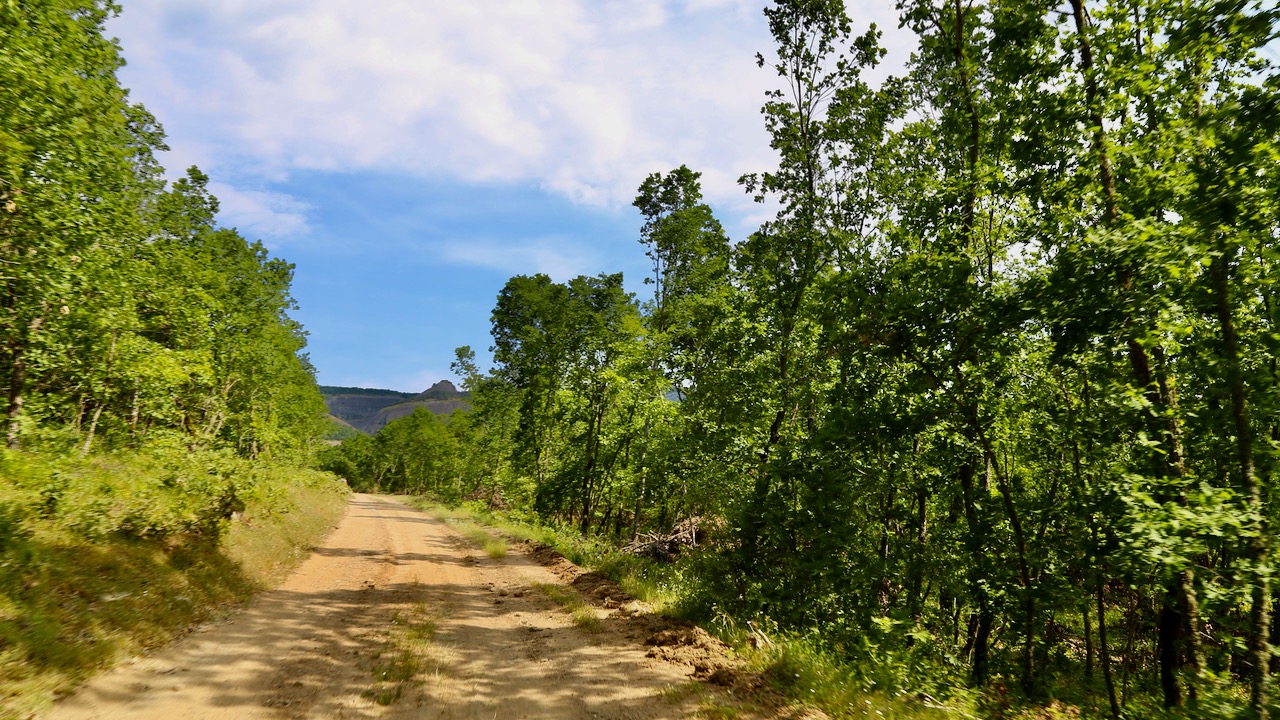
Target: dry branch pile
x,y
665,548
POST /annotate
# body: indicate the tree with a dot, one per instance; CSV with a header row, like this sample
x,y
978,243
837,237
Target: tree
x,y
77,162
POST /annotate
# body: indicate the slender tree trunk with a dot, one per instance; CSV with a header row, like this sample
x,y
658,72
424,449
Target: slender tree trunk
x,y
1258,641
1104,652
97,412
17,387
642,480
882,587
93,427
133,414
978,575
915,599
1024,569
81,408
1088,642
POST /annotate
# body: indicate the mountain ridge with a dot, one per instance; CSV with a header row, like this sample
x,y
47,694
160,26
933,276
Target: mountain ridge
x,y
370,409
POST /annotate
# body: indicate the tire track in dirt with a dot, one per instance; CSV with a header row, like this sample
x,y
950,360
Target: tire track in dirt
x,y
308,648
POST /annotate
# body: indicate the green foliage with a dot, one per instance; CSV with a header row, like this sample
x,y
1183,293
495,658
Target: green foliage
x,y
127,312
109,555
416,454
165,492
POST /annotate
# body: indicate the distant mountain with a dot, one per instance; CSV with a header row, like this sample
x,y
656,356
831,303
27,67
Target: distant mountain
x,y
370,409
340,390
338,430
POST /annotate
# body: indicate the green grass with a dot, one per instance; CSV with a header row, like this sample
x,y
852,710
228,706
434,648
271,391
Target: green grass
x,y
406,656
475,530
798,670
582,614
792,666
712,709
659,585
273,538
494,547
105,557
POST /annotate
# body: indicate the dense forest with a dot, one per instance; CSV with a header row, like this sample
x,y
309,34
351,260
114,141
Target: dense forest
x,y
991,402
127,315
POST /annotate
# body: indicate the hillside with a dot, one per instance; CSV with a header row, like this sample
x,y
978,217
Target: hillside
x,y
370,409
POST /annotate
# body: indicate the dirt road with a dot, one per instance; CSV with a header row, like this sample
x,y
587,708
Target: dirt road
x,y
396,608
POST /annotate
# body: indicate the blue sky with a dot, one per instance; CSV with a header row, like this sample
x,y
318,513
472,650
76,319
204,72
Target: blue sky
x,y
411,155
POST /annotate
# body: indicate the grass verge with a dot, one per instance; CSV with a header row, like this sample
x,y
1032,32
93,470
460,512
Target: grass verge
x,y
659,585
790,666
474,528
109,556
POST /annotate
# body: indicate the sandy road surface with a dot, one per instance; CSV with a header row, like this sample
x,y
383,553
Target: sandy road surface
x,y
309,648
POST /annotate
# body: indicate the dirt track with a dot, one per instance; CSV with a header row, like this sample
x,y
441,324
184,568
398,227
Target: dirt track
x,y
313,647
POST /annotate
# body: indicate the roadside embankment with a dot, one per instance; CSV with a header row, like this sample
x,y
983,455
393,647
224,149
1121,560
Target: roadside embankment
x,y
107,556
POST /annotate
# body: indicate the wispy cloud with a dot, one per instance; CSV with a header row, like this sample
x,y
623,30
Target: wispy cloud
x,y
555,256
261,214
580,97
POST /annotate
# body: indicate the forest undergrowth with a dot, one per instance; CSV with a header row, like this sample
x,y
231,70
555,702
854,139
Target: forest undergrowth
x,y
108,556
788,664
884,676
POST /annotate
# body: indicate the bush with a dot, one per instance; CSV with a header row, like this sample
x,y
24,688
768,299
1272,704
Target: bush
x,y
134,496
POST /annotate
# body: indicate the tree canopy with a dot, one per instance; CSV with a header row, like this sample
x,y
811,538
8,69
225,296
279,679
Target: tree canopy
x,y
126,312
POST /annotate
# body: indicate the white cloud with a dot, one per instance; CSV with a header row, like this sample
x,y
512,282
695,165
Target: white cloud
x,y
260,214
579,97
554,256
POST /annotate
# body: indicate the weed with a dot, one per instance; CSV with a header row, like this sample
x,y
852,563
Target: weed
x,y
714,710
493,547
659,585
582,614
798,668
406,655
558,594
477,535
683,691
586,618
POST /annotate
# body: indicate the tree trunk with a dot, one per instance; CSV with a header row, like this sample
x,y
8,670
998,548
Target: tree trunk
x,y
93,427
1104,652
977,575
914,596
1169,644
1024,570
133,415
97,412
1258,641
1088,642
17,386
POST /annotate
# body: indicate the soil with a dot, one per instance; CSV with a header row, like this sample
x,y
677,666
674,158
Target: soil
x,y
314,647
